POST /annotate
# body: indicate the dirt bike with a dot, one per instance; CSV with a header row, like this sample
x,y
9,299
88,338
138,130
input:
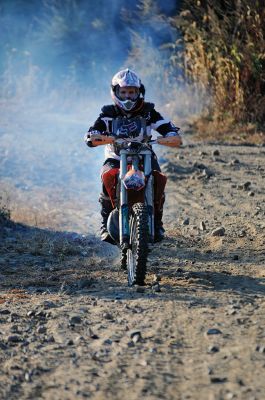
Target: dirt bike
x,y
132,189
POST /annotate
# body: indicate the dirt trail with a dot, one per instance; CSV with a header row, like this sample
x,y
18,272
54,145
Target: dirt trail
x,y
70,327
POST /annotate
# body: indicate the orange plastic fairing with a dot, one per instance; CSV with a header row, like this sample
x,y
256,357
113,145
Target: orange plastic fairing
x,y
100,140
110,180
171,141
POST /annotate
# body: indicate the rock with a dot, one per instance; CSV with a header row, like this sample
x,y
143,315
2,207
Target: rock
x,y
3,346
240,382
215,379
246,185
202,226
41,329
14,316
235,257
48,304
186,221
5,311
107,342
199,166
213,331
251,194
216,152
50,339
75,319
260,349
235,162
14,339
41,314
92,335
70,342
213,349
152,350
206,173
27,377
108,316
14,329
218,231
135,336
135,333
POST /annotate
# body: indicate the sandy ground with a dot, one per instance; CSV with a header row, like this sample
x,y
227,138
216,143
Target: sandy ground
x,y
70,328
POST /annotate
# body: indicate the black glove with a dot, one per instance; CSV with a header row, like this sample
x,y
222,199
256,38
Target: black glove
x,y
87,139
89,143
90,134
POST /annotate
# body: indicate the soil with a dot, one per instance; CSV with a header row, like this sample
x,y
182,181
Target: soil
x,y
71,328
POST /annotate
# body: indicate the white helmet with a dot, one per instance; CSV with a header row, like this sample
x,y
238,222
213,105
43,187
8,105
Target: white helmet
x,y
127,78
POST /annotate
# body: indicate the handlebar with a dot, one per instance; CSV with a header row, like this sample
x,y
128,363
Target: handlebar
x,y
100,140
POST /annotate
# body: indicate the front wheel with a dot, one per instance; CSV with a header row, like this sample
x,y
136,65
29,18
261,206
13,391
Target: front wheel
x,y
138,251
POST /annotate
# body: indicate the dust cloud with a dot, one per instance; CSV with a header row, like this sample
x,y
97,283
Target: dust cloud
x,y
56,62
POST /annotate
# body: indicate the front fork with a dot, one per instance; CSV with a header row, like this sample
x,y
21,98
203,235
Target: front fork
x,y
124,209
124,227
149,194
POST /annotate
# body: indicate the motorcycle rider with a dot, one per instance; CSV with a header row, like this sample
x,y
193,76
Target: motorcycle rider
x,y
127,92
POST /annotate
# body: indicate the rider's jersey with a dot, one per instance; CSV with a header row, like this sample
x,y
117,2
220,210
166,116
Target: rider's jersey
x,y
137,126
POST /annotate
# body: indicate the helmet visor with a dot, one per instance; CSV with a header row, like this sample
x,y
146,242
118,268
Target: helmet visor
x,y
127,93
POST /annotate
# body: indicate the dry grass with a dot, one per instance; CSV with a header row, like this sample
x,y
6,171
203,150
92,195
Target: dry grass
x,y
224,56
213,73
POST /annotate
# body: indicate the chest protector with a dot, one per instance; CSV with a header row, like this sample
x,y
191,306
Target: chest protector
x,y
133,128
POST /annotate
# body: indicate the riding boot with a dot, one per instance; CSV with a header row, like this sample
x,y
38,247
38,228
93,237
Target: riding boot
x,y
106,208
159,230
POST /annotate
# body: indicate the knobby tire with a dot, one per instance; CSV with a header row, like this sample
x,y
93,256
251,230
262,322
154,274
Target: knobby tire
x,y
138,252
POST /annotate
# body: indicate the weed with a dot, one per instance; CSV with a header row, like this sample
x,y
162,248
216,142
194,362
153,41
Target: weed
x,y
223,54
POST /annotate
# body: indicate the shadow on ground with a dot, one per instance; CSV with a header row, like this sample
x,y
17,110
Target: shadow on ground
x,y
188,262
34,260
41,260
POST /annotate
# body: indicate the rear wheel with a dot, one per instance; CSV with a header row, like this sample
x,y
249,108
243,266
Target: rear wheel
x,y
138,251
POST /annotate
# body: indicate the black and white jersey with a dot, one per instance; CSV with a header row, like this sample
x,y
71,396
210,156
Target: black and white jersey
x,y
108,121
